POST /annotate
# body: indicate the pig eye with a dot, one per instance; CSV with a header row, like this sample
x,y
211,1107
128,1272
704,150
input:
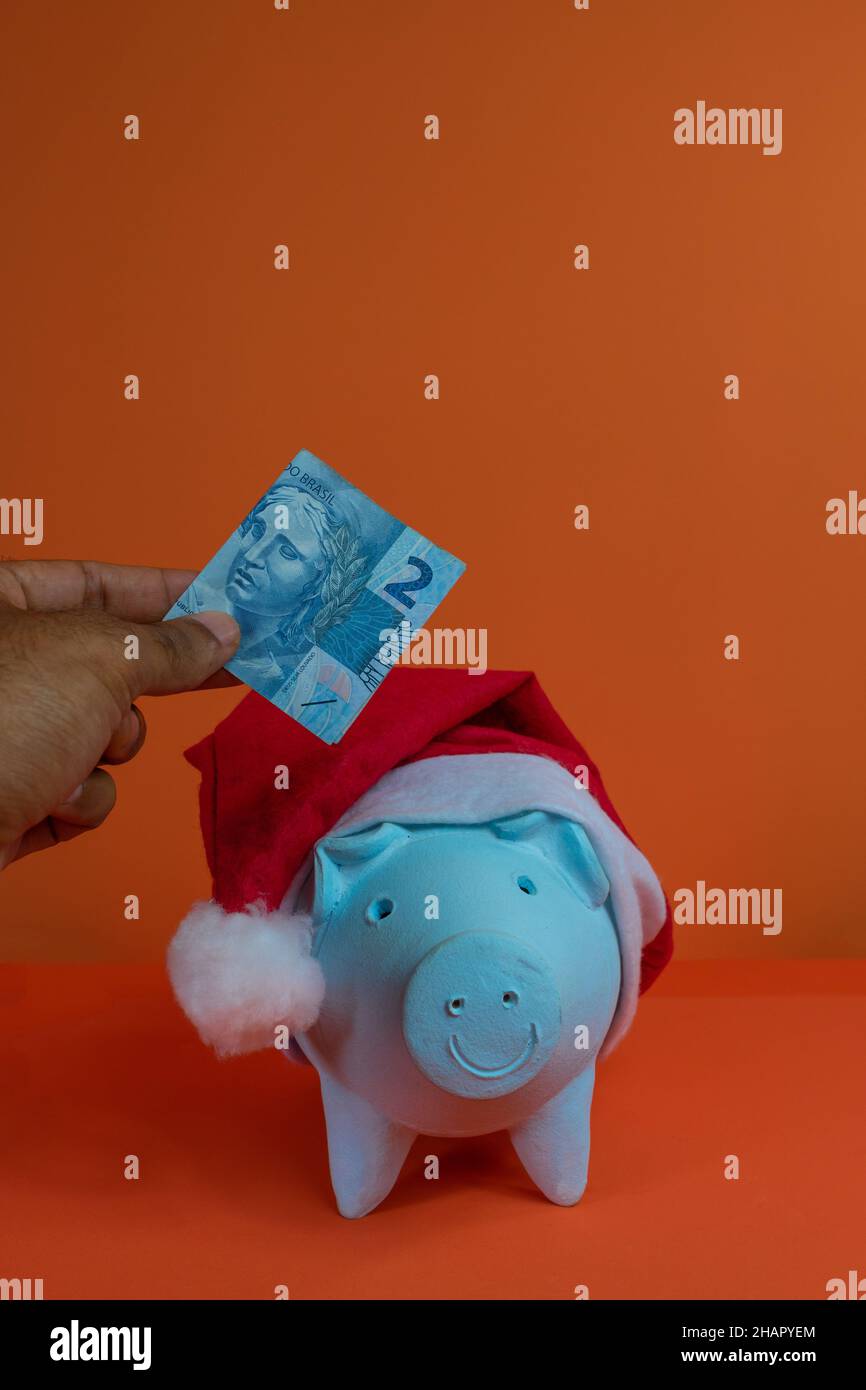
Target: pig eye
x,y
379,909
526,885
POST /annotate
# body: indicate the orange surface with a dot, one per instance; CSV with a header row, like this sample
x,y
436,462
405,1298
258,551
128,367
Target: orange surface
x,y
234,1198
558,387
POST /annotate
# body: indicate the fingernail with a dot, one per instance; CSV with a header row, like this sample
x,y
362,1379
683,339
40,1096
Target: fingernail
x,y
73,796
222,625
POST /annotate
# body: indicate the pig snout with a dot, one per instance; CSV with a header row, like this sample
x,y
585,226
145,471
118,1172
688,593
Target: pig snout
x,y
481,1014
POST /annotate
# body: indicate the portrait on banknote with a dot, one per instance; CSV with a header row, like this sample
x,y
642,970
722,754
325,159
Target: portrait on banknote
x,y
317,575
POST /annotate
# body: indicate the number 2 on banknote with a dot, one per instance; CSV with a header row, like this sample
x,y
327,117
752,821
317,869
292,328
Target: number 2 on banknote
x,y
401,589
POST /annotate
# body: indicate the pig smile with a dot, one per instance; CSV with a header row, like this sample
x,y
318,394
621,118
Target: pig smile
x,y
491,1073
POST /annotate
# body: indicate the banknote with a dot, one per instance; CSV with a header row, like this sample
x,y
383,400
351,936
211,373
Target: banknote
x,y
320,579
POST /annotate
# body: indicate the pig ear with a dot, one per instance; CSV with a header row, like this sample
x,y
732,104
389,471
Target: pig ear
x,y
339,858
566,844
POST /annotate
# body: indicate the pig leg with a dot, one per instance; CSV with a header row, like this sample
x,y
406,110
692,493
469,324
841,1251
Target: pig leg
x,y
553,1144
366,1150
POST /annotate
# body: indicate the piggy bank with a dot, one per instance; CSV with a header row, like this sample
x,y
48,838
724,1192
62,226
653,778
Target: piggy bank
x,y
453,949
471,974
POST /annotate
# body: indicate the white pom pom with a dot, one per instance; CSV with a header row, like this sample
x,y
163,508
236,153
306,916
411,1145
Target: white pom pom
x,y
237,975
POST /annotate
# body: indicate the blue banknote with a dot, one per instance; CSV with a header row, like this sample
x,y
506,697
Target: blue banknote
x,y
321,580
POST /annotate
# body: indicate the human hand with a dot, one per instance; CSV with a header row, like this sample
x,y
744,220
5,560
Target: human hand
x,y
68,683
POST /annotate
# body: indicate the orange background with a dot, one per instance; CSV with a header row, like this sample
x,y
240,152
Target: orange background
x,y
558,387
606,387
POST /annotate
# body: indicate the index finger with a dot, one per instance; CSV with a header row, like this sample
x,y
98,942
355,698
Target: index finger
x,y
137,592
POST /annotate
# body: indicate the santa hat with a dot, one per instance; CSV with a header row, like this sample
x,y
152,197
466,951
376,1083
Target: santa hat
x,y
431,747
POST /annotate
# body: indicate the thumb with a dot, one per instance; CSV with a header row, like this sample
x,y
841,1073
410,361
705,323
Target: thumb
x,y
180,654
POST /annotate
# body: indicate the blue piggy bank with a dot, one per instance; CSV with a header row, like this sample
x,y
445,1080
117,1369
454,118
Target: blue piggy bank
x,y
471,974
451,930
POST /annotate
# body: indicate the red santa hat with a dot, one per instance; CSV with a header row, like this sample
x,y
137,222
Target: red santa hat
x,y
432,746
